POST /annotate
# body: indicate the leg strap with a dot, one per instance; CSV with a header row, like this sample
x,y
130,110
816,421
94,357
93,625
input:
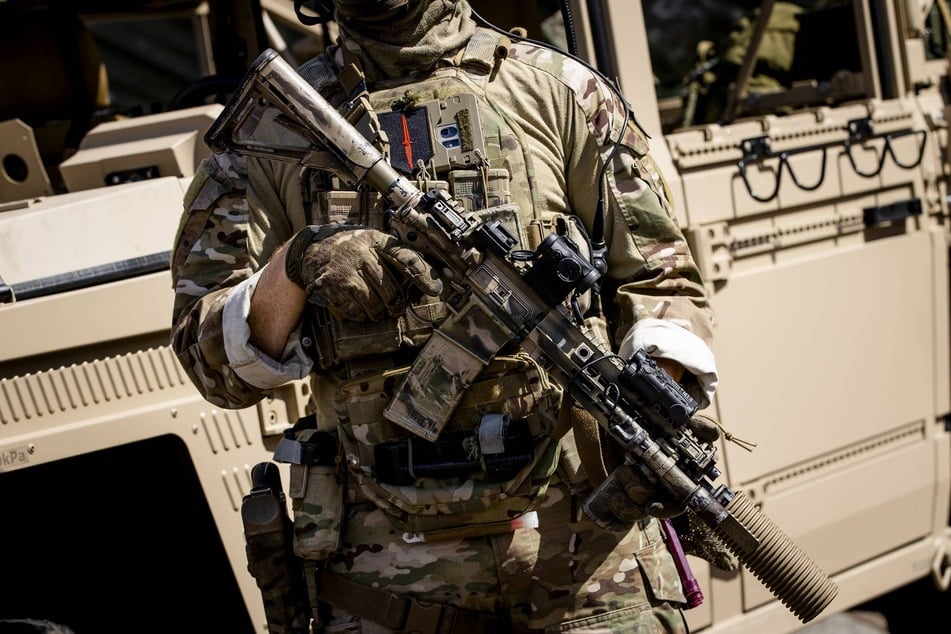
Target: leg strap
x,y
402,613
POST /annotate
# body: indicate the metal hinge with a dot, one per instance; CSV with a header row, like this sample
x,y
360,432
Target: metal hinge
x,y
941,564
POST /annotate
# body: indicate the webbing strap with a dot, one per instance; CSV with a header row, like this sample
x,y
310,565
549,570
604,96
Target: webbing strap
x,y
401,613
485,48
588,440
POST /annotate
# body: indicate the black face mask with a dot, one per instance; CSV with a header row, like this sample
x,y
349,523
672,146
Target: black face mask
x,y
312,12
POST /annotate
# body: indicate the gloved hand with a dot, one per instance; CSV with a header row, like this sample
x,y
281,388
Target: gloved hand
x,y
699,540
629,495
633,497
357,272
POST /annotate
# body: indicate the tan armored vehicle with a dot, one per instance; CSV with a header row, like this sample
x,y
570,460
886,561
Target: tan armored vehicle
x,y
815,198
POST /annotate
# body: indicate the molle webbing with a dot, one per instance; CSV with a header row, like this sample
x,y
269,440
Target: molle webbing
x,y
401,613
503,388
348,84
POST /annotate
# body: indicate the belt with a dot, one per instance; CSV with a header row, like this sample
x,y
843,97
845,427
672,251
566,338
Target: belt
x,y
402,613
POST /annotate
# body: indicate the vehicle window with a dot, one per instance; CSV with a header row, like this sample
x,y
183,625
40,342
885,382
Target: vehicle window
x,y
936,32
148,59
737,60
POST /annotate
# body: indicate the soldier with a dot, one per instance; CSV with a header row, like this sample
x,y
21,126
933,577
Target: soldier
x,y
712,83
282,272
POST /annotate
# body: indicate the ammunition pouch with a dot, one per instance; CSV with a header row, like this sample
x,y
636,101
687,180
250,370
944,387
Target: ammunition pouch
x,y
337,342
493,462
316,488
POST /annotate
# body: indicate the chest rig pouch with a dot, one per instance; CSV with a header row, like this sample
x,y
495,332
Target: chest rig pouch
x,y
496,447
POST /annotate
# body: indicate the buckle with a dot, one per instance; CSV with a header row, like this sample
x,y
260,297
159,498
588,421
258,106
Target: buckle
x,y
424,618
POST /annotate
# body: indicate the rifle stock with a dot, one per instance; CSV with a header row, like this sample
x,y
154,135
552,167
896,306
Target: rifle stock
x,y
519,299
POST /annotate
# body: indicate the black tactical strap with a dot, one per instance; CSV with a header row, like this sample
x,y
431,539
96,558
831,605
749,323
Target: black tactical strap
x,y
295,251
402,613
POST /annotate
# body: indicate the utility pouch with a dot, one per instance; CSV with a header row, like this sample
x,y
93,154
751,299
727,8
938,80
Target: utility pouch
x,y
316,489
499,449
445,368
511,396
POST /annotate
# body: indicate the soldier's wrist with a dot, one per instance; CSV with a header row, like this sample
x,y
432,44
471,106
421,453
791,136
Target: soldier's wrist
x,y
294,253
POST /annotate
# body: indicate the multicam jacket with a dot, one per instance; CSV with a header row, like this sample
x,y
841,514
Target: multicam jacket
x,y
238,211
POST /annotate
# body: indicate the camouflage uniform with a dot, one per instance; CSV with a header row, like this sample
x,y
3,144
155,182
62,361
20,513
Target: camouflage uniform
x,y
549,124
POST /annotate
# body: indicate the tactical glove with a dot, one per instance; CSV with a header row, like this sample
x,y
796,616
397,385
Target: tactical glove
x,y
635,497
357,272
699,540
631,495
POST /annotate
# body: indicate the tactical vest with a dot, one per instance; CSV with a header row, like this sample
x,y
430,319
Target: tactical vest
x,y
495,458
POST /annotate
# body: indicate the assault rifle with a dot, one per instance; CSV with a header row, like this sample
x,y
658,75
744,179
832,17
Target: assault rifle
x,y
510,297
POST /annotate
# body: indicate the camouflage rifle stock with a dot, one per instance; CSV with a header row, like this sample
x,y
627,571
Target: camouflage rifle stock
x,y
517,297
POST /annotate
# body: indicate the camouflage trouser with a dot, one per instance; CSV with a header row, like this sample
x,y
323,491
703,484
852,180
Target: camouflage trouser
x,y
565,576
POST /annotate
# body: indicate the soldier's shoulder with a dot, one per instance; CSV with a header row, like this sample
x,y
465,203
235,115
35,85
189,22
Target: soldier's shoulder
x,y
217,175
568,70
603,104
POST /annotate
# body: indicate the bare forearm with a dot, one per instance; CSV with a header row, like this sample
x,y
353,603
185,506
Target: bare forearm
x,y
674,369
276,308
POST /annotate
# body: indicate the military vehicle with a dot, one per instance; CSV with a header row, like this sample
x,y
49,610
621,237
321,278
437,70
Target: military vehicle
x,y
816,203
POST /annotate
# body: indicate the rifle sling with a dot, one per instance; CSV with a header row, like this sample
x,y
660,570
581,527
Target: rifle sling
x,y
588,441
402,613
